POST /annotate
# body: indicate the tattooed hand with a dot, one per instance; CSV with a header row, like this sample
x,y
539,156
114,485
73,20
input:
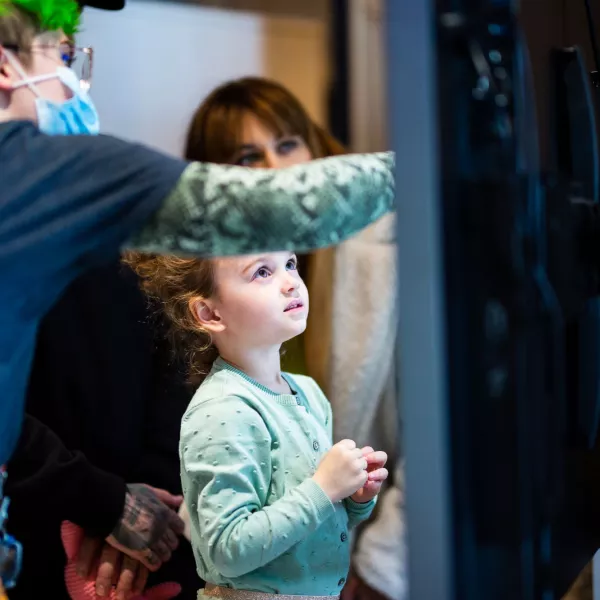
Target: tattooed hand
x,y
149,527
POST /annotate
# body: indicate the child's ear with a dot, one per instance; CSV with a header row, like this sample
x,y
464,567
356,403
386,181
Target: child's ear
x,y
206,315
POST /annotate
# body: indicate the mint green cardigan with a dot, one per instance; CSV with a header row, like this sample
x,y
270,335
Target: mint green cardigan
x,y
259,521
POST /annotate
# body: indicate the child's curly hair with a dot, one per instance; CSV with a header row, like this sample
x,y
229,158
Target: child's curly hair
x,y
175,283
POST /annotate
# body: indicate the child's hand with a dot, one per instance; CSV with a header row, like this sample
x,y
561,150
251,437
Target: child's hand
x,y
342,471
376,475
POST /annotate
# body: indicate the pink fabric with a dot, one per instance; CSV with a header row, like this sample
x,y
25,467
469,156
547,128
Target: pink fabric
x,y
82,589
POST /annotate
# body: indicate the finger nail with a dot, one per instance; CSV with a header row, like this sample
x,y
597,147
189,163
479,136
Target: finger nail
x,y
101,590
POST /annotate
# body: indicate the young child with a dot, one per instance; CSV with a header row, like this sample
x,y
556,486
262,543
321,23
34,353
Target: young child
x,y
271,501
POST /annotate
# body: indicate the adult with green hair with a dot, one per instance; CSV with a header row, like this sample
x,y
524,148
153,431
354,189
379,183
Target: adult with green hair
x,y
71,200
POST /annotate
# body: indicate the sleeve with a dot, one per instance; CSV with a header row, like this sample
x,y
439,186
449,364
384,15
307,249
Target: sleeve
x,y
381,554
357,513
78,200
219,210
72,489
74,200
226,459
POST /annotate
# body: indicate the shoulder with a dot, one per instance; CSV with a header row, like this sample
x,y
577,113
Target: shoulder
x,y
222,402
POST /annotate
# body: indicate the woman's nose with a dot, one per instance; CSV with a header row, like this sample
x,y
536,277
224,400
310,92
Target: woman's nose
x,y
272,160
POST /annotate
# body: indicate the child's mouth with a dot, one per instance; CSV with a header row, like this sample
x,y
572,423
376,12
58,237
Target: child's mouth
x,y
294,305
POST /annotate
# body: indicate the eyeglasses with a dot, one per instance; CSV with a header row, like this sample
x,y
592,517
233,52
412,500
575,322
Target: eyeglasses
x,y
80,59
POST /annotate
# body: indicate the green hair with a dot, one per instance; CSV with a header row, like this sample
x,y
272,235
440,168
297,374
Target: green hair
x,y
51,15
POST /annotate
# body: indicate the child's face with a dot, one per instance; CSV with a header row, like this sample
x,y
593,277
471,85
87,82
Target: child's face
x,y
261,300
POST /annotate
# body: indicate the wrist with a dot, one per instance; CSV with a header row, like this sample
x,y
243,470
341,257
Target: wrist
x,y
332,497
360,500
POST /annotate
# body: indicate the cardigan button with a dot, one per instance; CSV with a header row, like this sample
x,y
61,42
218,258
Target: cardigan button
x,y
316,446
342,581
344,536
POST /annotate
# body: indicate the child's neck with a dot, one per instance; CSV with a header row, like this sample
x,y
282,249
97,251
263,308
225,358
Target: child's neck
x,y
261,364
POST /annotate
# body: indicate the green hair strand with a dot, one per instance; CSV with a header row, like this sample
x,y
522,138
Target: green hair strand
x,y
52,15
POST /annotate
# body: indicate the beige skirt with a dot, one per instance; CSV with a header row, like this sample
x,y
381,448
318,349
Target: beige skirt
x,y
222,593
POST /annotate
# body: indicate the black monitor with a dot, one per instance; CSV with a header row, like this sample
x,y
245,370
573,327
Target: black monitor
x,y
499,317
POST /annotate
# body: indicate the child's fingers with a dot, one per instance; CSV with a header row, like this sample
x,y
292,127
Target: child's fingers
x,y
379,475
372,488
376,460
367,450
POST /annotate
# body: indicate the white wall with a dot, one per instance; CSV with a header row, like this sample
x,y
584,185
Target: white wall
x,y
155,61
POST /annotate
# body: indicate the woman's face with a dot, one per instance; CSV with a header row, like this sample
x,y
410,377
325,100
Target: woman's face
x,y
260,148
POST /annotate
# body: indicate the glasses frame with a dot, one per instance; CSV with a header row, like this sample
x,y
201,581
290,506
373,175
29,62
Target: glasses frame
x,y
68,58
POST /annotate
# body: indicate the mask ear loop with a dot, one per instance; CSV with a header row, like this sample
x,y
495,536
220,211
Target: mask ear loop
x,y
25,80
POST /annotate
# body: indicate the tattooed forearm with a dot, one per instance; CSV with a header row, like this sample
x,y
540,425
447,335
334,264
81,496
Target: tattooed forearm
x,y
144,521
219,210
148,529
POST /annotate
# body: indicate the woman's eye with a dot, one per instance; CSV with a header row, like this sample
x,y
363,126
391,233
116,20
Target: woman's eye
x,y
287,146
292,265
249,159
262,273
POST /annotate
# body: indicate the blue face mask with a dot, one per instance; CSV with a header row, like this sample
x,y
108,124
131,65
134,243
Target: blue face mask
x,y
75,116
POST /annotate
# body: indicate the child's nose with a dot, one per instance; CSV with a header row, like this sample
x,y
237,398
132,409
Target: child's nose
x,y
290,285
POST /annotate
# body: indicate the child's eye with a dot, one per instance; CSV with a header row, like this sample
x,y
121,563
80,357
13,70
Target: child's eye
x,y
292,264
262,273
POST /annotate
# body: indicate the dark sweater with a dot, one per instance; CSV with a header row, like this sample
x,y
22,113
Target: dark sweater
x,y
104,408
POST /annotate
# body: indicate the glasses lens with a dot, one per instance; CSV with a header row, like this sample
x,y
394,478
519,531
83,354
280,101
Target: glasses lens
x,y
80,60
86,68
67,53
